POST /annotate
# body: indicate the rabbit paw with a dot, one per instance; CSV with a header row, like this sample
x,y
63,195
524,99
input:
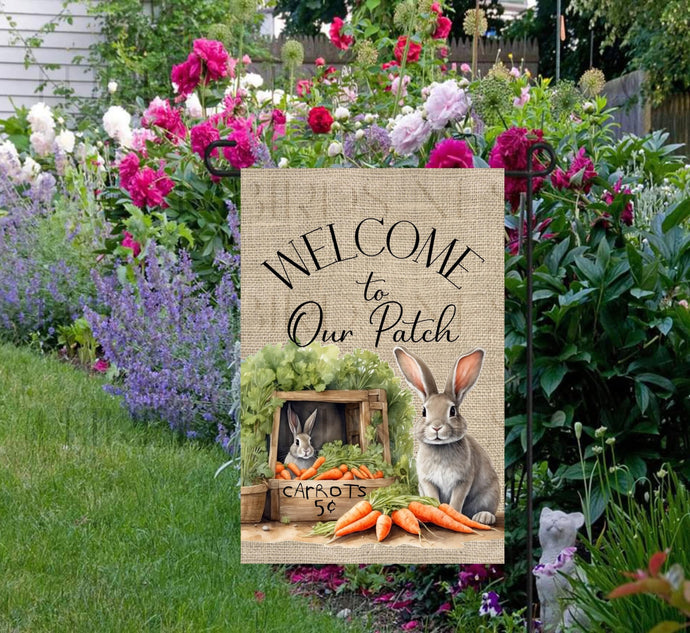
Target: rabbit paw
x,y
484,517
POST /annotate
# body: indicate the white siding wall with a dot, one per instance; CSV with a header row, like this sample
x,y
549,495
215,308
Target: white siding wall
x,y
69,40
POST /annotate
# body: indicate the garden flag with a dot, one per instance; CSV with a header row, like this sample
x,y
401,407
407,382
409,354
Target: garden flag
x,y
372,366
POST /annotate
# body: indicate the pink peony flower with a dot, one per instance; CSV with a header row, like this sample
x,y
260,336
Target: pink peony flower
x,y
413,52
409,133
338,38
149,188
186,76
409,626
319,61
128,241
128,167
446,102
514,72
246,59
395,84
465,68
201,135
278,117
241,155
450,153
436,8
160,114
303,87
101,366
140,136
214,56
510,153
443,26
524,97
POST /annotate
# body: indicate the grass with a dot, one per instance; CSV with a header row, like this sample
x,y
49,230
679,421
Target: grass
x,y
110,526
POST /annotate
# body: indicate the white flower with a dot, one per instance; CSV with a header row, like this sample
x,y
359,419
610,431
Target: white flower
x,y
30,170
116,122
278,96
336,126
358,124
359,134
341,113
369,118
65,141
588,107
463,83
9,160
251,80
263,96
407,110
112,87
40,118
42,142
601,431
335,148
467,130
283,162
60,120
409,133
192,106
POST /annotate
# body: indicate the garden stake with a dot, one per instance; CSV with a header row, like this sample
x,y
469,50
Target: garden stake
x,y
530,174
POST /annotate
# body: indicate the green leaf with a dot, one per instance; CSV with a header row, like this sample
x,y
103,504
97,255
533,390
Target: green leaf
x,y
655,379
667,627
677,214
642,394
552,377
638,293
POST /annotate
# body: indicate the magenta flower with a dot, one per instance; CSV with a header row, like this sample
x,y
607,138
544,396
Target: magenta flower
x,y
443,26
510,153
128,167
627,215
450,153
338,38
128,241
201,135
149,188
214,56
241,155
101,366
580,175
160,114
186,76
409,626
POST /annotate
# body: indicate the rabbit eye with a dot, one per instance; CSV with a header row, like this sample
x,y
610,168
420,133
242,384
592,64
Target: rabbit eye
x,y
297,441
452,412
423,412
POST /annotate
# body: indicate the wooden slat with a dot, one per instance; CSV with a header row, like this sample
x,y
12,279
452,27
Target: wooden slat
x,y
333,395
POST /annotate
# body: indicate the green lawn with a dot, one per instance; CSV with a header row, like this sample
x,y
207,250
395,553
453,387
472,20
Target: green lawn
x,y
109,526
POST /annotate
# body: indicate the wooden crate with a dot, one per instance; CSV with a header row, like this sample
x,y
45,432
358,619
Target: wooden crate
x,y
327,500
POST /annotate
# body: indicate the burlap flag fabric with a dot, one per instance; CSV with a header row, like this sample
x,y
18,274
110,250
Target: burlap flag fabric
x,y
375,259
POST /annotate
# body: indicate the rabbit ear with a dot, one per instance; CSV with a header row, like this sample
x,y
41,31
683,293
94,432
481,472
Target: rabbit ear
x,y
464,374
416,372
293,421
309,423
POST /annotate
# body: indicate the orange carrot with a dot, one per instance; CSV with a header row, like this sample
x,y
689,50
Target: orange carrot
x,y
378,474
319,462
308,473
365,523
357,473
344,468
279,467
293,468
347,475
333,473
365,471
285,474
429,514
461,518
301,471
383,527
356,512
406,520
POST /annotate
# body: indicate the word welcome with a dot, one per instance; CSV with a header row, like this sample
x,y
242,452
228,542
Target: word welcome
x,y
320,248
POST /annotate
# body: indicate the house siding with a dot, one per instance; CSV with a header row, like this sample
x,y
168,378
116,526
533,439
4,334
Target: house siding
x,y
18,84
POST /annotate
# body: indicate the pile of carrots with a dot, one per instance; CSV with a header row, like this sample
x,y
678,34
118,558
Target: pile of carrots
x,y
316,472
384,509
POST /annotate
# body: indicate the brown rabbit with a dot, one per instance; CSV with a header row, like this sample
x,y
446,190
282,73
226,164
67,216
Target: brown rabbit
x,y
451,466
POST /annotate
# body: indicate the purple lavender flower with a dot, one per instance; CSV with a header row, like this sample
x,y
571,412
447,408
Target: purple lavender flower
x,y
174,342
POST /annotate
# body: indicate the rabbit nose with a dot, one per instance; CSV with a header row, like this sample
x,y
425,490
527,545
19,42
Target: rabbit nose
x,y
436,428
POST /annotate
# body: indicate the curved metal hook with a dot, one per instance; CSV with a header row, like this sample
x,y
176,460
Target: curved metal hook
x,y
539,173
210,148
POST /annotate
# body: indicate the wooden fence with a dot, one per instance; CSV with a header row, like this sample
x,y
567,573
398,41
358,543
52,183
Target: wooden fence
x,y
636,116
460,51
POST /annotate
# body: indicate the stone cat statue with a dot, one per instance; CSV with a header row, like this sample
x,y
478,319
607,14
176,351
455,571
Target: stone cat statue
x,y
557,534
